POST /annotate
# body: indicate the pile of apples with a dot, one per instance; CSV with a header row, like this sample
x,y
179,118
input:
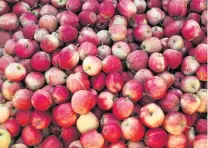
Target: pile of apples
x,y
103,73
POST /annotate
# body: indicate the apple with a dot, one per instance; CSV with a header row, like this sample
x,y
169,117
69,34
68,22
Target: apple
x,y
189,65
23,117
78,81
5,7
60,94
157,32
190,84
142,75
176,42
34,80
202,94
49,43
156,137
66,110
104,38
200,141
140,5
41,100
69,133
121,50
106,10
173,57
87,143
190,30
68,18
31,136
76,144
87,122
48,9
151,115
91,5
122,108
118,32
74,5
132,129
118,19
52,141
172,28
117,144
200,53
179,141
20,8
127,8
138,19
48,22
137,144
22,99
28,18
197,6
108,68
12,126
19,146
114,82
98,81
105,100
177,8
175,123
11,25
168,77
189,103
151,45
9,47
155,16
5,116
111,132
5,138
9,89
201,126
108,119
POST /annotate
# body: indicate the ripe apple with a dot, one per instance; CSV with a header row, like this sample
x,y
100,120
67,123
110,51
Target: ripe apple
x,y
23,117
48,22
200,141
98,81
117,144
52,141
12,25
35,80
201,126
118,32
141,32
127,8
111,132
121,50
142,75
5,113
179,141
5,138
105,100
202,94
151,45
189,65
107,67
190,84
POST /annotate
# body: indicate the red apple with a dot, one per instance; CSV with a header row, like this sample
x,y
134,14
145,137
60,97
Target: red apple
x,y
74,5
106,10
172,28
48,9
197,5
122,108
28,18
88,35
189,65
5,113
68,18
111,132
34,80
23,117
200,141
9,47
157,32
201,126
67,33
10,25
108,67
49,43
76,144
118,32
156,137
105,100
41,100
177,8
60,94
40,119
142,75
176,42
91,5
141,5
168,77
78,81
48,22
151,45
200,53
20,8
175,123
98,81
132,129
31,136
138,19
155,16
61,113
151,115
5,8
118,19
108,119
121,50
70,133
179,141
52,142
127,8
117,144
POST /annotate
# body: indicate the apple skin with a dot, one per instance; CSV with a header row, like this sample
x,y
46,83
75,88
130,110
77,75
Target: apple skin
x,y
114,82
67,33
23,117
5,110
76,144
88,35
40,119
202,94
157,62
157,32
28,18
177,8
5,8
66,110
137,60
22,99
98,81
41,100
87,17
175,123
179,141
4,37
169,103
189,103
132,129
82,101
91,5
190,30
87,49
200,53
127,8
105,100
106,10
172,28
35,138
35,80
141,32
9,89
111,132
104,37
197,5
121,50
40,34
108,119
142,75
70,58
52,141
70,133
118,32
151,115
19,146
190,84
49,43
12,25
153,85
55,76
156,137
108,68
48,22
87,143
133,90
151,45
178,77
122,108
9,47
5,138
155,16
201,73
200,141
12,126
74,5
27,64
60,94
78,81
189,65
48,9
201,126
117,144
174,58
118,19
138,19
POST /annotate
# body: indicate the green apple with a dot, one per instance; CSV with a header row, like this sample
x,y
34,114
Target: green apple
x,y
5,138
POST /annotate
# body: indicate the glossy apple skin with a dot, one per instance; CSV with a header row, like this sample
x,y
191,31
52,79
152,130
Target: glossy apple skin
x,y
23,117
111,132
105,100
107,67
175,123
60,94
35,137
156,137
132,129
98,81
13,127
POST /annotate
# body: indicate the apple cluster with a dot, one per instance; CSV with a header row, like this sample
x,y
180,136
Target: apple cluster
x,y
103,74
